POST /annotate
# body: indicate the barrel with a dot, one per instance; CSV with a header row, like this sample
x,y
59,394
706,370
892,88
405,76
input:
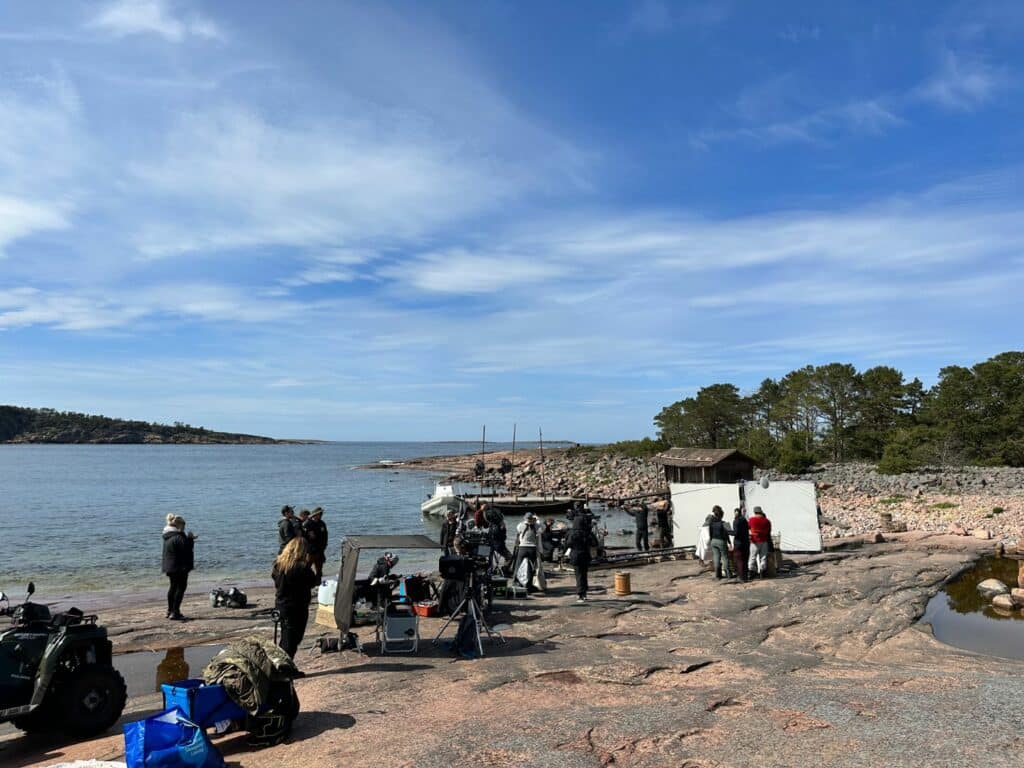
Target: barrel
x,y
622,584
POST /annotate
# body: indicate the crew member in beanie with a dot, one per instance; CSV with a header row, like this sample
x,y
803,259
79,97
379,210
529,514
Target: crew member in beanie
x,y
178,560
315,532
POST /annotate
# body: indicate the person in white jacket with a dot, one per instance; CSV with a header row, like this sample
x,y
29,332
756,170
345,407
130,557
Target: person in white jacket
x,y
527,541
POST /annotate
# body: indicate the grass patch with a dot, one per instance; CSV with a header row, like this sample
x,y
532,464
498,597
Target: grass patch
x,y
892,500
997,510
944,505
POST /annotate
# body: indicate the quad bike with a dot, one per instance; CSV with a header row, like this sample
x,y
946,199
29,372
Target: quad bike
x,y
56,672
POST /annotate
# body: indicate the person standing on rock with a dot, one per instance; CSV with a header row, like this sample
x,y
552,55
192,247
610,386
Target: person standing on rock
x,y
640,517
287,529
718,533
760,539
664,524
178,560
579,541
527,542
315,532
293,581
741,544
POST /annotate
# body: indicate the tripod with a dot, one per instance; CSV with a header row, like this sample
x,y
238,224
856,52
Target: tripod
x,y
471,605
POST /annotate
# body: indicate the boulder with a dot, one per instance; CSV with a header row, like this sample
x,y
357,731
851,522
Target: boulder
x,y
981,533
993,587
1003,601
956,529
1020,574
1017,595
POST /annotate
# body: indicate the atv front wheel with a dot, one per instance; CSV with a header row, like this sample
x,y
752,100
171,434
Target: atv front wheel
x,y
91,700
38,720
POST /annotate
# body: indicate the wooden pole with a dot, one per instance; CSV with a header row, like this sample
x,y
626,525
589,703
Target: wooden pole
x,y
543,479
512,474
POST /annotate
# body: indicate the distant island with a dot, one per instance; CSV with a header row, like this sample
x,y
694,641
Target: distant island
x,y
45,425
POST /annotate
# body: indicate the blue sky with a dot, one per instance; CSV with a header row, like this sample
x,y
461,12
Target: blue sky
x,y
403,221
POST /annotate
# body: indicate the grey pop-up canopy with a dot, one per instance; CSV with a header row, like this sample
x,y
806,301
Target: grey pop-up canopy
x,y
350,562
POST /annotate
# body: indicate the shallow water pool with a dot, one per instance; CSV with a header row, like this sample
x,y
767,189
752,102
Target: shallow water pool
x,y
961,617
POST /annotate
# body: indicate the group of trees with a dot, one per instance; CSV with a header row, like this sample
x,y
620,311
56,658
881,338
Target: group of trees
x,y
836,413
48,425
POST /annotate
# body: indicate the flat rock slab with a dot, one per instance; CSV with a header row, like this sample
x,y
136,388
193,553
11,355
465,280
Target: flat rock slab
x,y
822,666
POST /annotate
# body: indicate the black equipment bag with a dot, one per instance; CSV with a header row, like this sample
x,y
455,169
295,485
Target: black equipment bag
x,y
236,598
455,567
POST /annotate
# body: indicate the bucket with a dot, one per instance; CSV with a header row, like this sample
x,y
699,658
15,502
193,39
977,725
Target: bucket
x,y
327,591
622,584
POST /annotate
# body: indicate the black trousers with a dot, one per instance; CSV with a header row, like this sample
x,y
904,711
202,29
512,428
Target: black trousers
x,y
582,570
293,628
642,543
176,592
743,547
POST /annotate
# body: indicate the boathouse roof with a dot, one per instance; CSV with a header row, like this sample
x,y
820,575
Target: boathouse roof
x,y
700,457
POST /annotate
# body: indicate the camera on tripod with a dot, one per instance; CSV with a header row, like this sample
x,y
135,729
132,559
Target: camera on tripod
x,y
476,546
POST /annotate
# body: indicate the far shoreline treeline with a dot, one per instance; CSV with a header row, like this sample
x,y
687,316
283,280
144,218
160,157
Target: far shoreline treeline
x,y
45,425
835,413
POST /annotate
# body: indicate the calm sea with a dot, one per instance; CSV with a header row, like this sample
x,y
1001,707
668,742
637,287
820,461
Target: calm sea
x,y
84,519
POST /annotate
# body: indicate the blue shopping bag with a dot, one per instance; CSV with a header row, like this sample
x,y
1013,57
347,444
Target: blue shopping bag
x,y
168,740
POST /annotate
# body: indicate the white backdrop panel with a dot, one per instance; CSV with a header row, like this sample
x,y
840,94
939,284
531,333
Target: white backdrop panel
x,y
792,507
692,502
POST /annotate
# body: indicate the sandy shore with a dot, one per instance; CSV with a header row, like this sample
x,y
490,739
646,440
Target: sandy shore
x,y
823,665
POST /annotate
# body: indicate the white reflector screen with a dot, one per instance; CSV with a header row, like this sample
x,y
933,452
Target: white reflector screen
x,y
692,502
792,506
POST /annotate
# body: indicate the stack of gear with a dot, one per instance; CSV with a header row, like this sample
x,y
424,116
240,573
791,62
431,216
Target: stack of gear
x,y
257,676
228,598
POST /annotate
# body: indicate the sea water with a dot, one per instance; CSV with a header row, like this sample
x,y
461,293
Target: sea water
x,y
82,519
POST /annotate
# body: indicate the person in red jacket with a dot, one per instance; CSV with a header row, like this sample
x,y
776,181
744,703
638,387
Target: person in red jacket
x,y
760,539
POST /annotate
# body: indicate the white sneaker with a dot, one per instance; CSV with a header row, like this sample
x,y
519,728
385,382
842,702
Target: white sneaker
x,y
581,599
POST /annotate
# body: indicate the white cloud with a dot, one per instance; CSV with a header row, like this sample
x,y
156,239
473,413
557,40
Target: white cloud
x,y
231,178
20,218
459,271
122,18
964,83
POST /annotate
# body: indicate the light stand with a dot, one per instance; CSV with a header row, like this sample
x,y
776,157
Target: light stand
x,y
471,605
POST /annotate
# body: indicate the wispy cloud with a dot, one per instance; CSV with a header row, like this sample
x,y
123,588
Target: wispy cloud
x,y
964,83
122,18
655,17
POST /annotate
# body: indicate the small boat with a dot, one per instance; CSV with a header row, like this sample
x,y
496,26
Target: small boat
x,y
441,500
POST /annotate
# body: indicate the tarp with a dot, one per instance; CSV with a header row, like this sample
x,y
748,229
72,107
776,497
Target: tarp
x,y
350,562
692,502
793,509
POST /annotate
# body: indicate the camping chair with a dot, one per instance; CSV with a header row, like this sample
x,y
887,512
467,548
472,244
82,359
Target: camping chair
x,y
398,630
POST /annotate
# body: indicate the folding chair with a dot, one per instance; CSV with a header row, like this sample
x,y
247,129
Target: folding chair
x,y
399,628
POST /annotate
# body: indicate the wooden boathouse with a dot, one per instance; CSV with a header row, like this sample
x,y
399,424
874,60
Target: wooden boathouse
x,y
706,465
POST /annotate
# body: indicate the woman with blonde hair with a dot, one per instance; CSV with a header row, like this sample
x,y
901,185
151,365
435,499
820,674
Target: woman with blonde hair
x,y
178,560
293,580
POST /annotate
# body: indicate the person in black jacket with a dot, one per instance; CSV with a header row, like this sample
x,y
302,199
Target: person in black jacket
x,y
581,538
315,532
178,560
741,544
287,529
293,580
640,517
664,524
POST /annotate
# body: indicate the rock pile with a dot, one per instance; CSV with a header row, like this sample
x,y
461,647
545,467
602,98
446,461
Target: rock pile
x,y
984,502
1003,599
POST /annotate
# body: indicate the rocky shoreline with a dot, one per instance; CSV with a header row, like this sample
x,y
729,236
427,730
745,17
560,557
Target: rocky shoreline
x,y
853,496
825,662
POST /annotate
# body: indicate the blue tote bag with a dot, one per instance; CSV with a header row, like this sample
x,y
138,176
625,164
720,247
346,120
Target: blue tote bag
x,y
168,740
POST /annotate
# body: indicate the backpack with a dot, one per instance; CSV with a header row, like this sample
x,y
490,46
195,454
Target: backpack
x,y
230,598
